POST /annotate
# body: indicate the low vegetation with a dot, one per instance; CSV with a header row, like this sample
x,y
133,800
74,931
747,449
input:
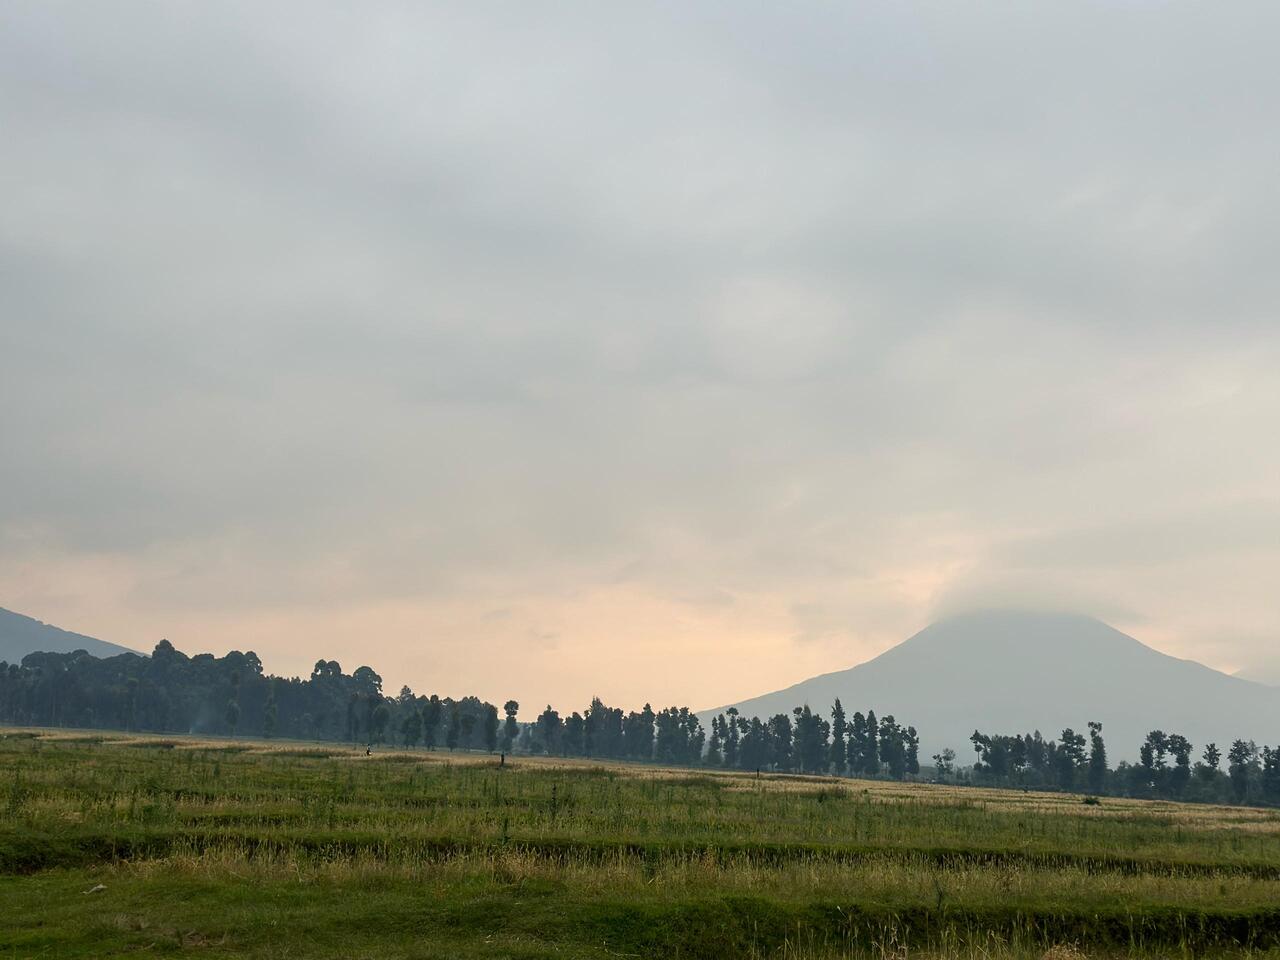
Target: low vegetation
x,y
114,844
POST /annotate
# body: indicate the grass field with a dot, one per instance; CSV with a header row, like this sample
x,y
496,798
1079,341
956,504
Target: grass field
x,y
303,850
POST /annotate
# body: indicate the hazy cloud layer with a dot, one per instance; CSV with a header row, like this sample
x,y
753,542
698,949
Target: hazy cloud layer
x,y
677,353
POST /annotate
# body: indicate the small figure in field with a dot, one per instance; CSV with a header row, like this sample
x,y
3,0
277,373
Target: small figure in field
x,y
368,751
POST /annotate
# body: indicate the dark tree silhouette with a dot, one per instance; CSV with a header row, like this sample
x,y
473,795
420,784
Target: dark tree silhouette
x,y
715,751
732,734
453,732
837,756
856,749
548,729
871,751
270,713
1211,763
1241,759
1097,758
432,713
1180,747
510,728
490,727
1271,774
1069,758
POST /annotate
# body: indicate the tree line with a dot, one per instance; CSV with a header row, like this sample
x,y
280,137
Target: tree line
x,y
807,742
801,741
1166,768
170,692
231,695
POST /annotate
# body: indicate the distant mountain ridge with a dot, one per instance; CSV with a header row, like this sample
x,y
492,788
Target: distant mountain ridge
x,y
21,635
1016,672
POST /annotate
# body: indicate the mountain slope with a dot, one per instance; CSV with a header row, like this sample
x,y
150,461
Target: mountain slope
x,y
1014,672
1267,674
21,635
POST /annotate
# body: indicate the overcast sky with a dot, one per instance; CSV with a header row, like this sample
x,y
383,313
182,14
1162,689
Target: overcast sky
x,y
670,354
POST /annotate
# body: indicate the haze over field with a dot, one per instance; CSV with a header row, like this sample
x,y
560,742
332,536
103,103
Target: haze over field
x,y
673,354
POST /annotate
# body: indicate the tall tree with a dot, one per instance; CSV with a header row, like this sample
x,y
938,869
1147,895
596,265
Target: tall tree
x,y
695,736
510,728
1036,754
453,731
1097,758
856,750
768,742
871,750
1241,759
593,734
1180,747
548,726
893,747
994,754
432,714
270,713
1070,758
490,727
944,764
1152,756
574,735
731,738
642,748
367,680
912,741
1210,765
837,757
715,753
809,739
1271,774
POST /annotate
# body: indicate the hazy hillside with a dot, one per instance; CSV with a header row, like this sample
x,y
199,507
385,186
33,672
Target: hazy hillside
x,y
1011,672
21,635
1268,674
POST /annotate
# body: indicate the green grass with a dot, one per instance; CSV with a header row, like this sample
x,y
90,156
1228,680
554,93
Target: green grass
x,y
269,850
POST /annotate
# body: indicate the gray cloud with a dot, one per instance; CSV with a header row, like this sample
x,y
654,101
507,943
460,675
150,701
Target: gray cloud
x,y
853,312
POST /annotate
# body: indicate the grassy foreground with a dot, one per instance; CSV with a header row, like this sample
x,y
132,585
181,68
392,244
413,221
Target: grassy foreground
x,y
112,845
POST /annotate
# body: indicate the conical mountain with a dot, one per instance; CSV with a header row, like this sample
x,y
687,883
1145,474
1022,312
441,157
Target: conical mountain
x,y
1016,672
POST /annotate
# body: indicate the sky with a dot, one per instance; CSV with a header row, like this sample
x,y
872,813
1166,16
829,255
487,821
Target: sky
x,y
671,353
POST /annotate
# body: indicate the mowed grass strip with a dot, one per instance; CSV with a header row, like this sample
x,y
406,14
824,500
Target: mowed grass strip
x,y
310,850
